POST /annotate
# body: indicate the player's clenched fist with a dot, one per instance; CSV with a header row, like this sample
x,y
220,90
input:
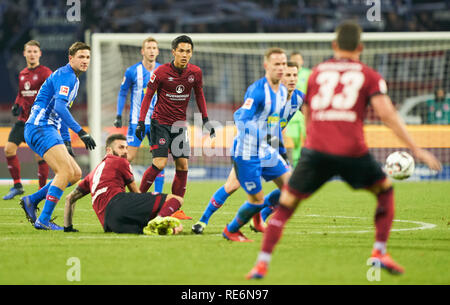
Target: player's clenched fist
x,y
87,139
140,130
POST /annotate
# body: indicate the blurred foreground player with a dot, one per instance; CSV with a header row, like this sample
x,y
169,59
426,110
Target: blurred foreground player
x,y
117,210
339,90
30,81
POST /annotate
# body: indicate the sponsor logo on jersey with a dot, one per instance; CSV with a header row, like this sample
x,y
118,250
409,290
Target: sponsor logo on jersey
x,y
179,89
248,103
27,85
64,90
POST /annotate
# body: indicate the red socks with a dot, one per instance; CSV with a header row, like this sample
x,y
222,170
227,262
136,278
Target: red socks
x,y
14,168
275,228
42,173
169,207
384,215
179,183
148,178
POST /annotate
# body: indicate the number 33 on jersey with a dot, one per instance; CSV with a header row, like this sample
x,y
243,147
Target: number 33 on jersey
x,y
338,94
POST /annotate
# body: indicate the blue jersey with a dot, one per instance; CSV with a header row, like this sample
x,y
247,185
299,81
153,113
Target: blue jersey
x,y
259,115
136,78
287,112
54,99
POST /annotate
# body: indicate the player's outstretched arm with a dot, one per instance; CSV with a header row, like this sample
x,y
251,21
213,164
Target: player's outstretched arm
x,y
384,108
132,187
69,209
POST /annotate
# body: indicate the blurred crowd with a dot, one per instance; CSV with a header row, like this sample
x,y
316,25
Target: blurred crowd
x,y
18,18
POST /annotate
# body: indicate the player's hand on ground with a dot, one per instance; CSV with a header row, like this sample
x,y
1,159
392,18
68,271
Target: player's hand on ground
x,y
428,158
16,110
212,131
70,229
140,130
118,121
87,139
69,148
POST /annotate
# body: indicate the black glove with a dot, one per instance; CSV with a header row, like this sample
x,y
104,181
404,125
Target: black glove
x,y
87,139
140,130
70,229
16,110
212,132
69,148
118,121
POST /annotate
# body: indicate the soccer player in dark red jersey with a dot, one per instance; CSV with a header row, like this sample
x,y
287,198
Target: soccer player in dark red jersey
x,y
117,210
338,93
30,81
173,83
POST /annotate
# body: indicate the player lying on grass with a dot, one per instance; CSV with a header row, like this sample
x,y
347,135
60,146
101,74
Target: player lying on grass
x,y
294,103
117,210
338,94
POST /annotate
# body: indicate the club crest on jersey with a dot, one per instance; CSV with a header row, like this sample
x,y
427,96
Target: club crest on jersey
x,y
191,78
64,90
162,141
248,103
152,79
179,89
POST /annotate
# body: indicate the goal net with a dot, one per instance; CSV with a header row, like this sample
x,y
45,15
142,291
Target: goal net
x,y
413,64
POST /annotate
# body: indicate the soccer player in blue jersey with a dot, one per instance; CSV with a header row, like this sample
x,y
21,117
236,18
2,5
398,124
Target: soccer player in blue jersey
x,y
49,113
252,156
135,79
293,103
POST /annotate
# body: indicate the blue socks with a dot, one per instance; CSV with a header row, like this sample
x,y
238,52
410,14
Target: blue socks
x,y
53,195
38,196
217,200
269,202
245,213
159,182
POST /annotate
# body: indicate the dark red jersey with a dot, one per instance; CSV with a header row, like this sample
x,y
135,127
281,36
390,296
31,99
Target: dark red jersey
x,y
107,180
173,87
30,81
338,93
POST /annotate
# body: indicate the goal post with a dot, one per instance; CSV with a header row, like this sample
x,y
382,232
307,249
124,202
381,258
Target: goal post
x,y
413,64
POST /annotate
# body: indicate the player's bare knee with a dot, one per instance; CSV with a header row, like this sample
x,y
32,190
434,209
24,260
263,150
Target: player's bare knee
x,y
160,163
180,199
231,186
10,150
381,186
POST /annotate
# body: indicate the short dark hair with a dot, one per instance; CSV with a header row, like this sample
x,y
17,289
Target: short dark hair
x,y
182,39
77,46
115,137
34,43
348,35
292,64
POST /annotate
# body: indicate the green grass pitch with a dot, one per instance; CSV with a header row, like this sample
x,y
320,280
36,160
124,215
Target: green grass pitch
x,y
328,241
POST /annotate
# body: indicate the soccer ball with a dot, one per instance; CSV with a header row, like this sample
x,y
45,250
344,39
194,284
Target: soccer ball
x,y
399,165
